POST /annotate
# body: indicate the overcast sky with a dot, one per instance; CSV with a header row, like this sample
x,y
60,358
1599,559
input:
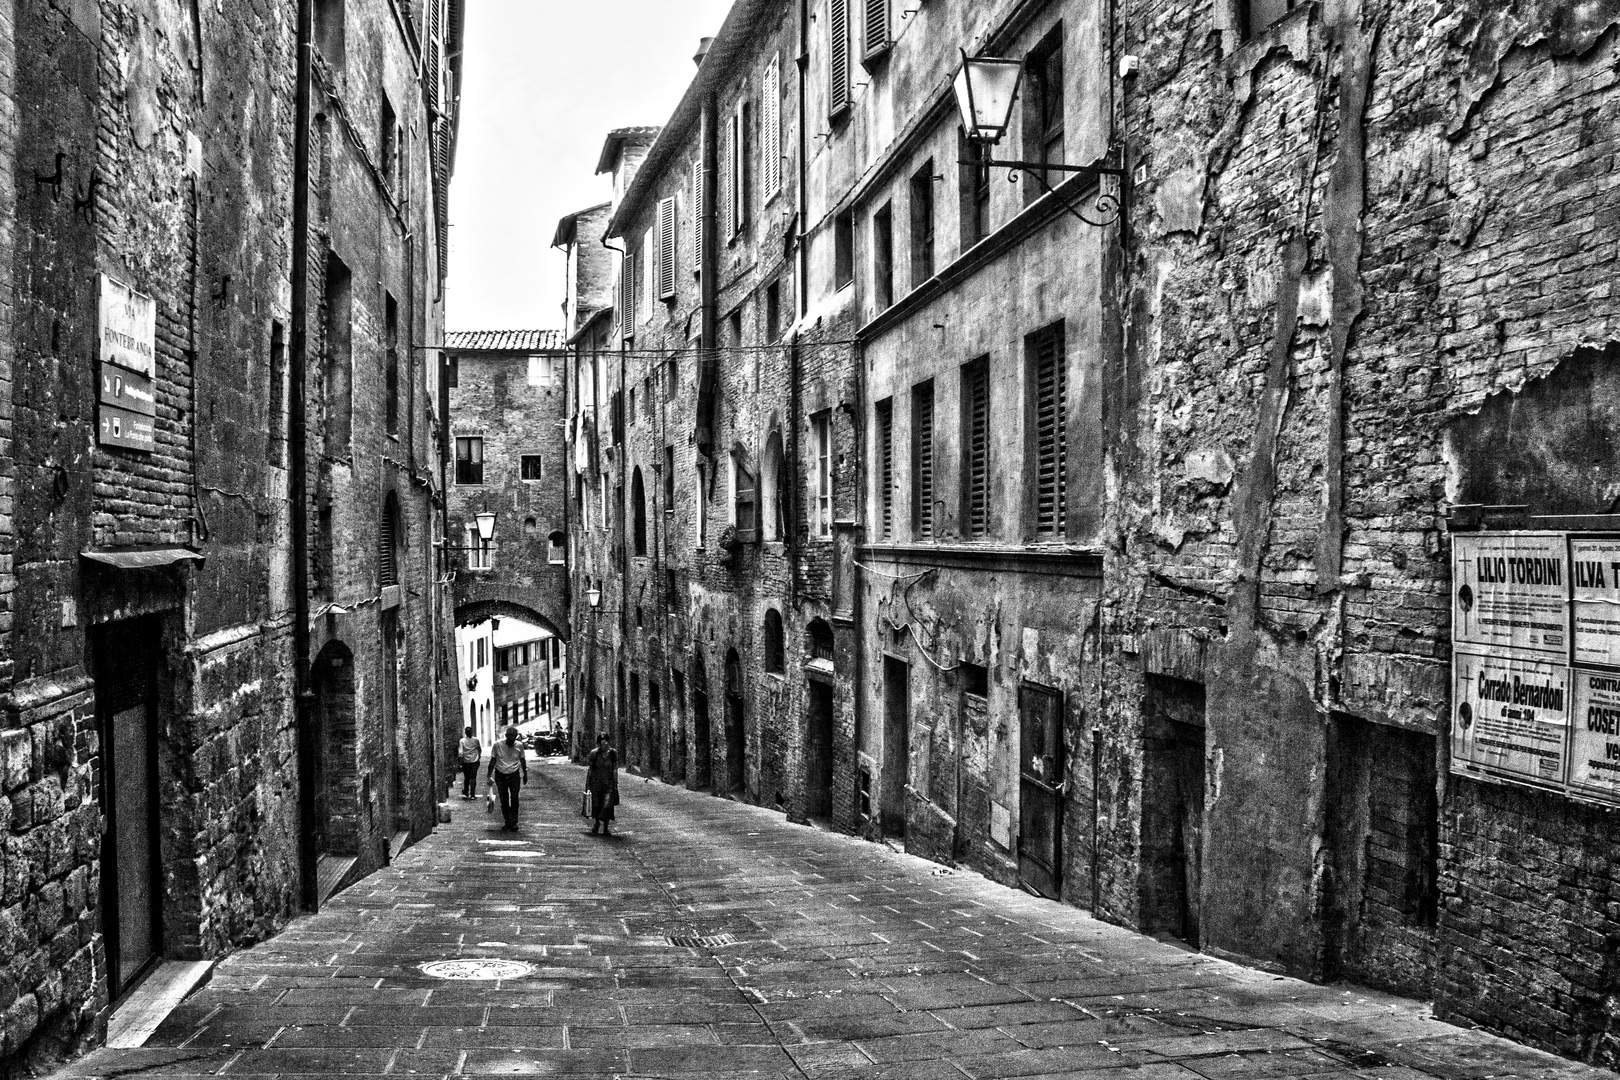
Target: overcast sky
x,y
545,80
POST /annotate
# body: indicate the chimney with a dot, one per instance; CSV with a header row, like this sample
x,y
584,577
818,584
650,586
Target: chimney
x,y
703,50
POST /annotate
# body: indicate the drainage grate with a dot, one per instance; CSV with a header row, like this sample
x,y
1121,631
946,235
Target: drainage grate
x,y
482,969
696,941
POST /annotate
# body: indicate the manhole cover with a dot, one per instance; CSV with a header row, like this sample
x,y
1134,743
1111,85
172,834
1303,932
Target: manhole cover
x,y
480,968
694,941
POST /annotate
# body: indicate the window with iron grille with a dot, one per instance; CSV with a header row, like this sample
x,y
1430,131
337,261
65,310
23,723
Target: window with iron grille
x,y
837,57
529,467
885,467
975,444
469,459
883,256
922,460
1043,108
1048,382
922,224
973,189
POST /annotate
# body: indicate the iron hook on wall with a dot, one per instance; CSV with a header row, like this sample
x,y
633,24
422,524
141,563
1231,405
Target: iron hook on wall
x,y
53,181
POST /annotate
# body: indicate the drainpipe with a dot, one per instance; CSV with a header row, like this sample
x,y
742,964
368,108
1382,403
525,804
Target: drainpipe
x,y
803,169
298,481
708,292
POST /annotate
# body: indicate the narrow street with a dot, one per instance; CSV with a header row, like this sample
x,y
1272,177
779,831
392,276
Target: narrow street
x,y
716,939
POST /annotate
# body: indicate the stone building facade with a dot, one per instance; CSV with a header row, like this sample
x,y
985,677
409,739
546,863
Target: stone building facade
x,y
165,796
1125,574
504,452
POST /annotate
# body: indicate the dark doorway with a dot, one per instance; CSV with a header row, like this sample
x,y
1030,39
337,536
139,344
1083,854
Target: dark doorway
x,y
736,773
702,776
655,730
333,827
896,744
1040,789
127,657
818,751
398,754
1172,807
677,727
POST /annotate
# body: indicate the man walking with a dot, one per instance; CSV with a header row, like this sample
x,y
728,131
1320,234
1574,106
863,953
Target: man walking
x,y
472,752
508,771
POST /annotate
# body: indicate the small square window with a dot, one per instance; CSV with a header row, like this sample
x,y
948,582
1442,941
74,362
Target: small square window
x,y
529,467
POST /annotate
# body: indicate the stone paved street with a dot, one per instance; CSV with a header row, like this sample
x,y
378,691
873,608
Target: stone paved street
x,y
821,956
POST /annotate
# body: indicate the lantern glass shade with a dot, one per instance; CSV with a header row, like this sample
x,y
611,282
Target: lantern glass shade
x,y
986,88
593,597
486,526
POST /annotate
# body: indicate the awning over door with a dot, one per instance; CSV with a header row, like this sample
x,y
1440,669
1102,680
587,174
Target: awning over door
x,y
142,560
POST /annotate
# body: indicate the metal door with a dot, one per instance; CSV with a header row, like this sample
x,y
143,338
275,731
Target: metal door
x,y
132,895
1041,789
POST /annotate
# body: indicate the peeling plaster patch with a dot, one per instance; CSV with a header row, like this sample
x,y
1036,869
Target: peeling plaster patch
x,y
1213,465
1316,297
1180,197
1567,30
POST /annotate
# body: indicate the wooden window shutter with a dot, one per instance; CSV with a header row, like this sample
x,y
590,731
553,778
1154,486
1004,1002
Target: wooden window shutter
x,y
837,56
666,249
627,295
727,141
885,449
976,442
387,565
876,28
922,461
739,167
697,214
770,151
1051,454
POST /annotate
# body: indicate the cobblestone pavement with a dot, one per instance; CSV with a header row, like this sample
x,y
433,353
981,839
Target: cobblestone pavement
x,y
717,940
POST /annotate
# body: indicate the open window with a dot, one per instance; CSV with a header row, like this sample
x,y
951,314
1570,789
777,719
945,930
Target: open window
x,y
772,504
744,498
774,651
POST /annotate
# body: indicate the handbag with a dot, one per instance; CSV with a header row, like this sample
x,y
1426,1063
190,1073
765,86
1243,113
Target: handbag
x,y
585,805
489,802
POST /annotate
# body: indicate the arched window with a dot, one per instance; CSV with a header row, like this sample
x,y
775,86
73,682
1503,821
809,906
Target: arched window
x,y
773,508
775,662
388,542
638,510
821,640
530,528
555,543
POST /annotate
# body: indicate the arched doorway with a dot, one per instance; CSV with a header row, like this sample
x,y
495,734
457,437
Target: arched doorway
x,y
701,775
736,774
335,825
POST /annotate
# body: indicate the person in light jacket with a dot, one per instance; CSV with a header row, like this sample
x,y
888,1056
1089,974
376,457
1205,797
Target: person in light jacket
x,y
471,753
602,781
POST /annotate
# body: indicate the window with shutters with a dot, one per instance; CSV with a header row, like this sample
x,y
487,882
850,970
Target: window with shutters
x,y
884,433
1043,109
388,543
666,249
737,198
883,256
469,459
922,460
773,311
975,448
388,142
744,499
627,295
843,249
922,224
837,58
973,189
1048,429
391,364
821,427
875,30
770,134
697,216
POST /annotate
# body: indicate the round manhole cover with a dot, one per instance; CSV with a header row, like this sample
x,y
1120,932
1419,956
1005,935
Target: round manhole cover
x,y
481,968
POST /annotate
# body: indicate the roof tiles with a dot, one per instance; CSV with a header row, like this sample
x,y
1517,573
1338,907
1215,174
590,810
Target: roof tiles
x,y
526,341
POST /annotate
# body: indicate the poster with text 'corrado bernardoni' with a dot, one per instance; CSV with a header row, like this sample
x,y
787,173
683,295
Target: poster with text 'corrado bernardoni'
x,y
1511,717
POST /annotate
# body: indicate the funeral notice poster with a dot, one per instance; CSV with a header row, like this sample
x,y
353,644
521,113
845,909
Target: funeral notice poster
x,y
1510,593
1594,742
1594,568
1511,717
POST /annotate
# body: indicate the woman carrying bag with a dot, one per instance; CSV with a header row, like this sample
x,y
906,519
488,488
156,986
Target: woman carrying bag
x,y
601,785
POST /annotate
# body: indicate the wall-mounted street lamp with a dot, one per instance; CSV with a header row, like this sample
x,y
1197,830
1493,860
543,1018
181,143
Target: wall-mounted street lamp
x,y
486,526
986,88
